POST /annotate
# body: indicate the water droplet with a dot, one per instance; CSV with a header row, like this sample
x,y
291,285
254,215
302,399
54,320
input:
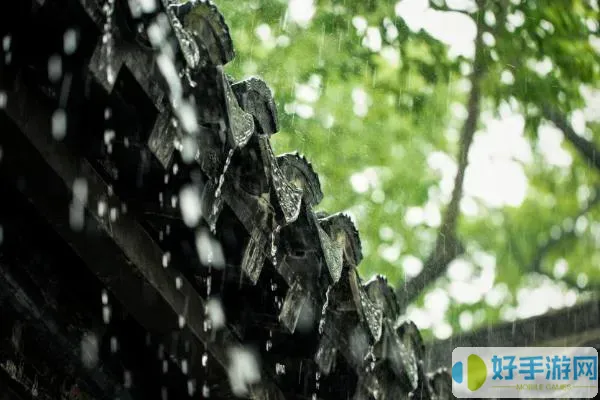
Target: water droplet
x,y
204,360
107,41
184,366
127,379
113,214
243,370
166,259
274,245
181,321
6,42
70,41
89,350
215,313
106,312
190,204
59,124
208,285
191,386
102,208
205,391
54,68
114,344
109,136
279,369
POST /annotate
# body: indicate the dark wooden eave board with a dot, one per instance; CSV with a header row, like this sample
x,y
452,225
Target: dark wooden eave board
x,y
121,253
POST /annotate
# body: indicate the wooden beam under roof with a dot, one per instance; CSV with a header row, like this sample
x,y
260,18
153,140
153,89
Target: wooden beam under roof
x,y
120,252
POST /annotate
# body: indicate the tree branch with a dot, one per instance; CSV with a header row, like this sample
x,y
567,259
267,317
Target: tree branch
x,y
445,8
586,148
543,250
447,245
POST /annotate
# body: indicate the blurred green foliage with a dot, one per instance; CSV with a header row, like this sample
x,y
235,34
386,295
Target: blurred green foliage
x,y
535,53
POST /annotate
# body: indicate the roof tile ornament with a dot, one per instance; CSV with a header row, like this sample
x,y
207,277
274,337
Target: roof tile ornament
x,y
201,31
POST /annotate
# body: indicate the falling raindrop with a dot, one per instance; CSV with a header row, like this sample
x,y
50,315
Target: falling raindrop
x,y
215,209
189,147
165,366
178,282
166,259
113,214
102,207
34,388
80,190
317,381
109,136
6,42
54,68
191,386
114,344
204,360
324,311
205,391
108,41
215,313
70,41
76,216
127,379
243,370
184,366
59,124
209,250
279,369
3,99
208,285
274,245
89,350
106,312
189,202
181,321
